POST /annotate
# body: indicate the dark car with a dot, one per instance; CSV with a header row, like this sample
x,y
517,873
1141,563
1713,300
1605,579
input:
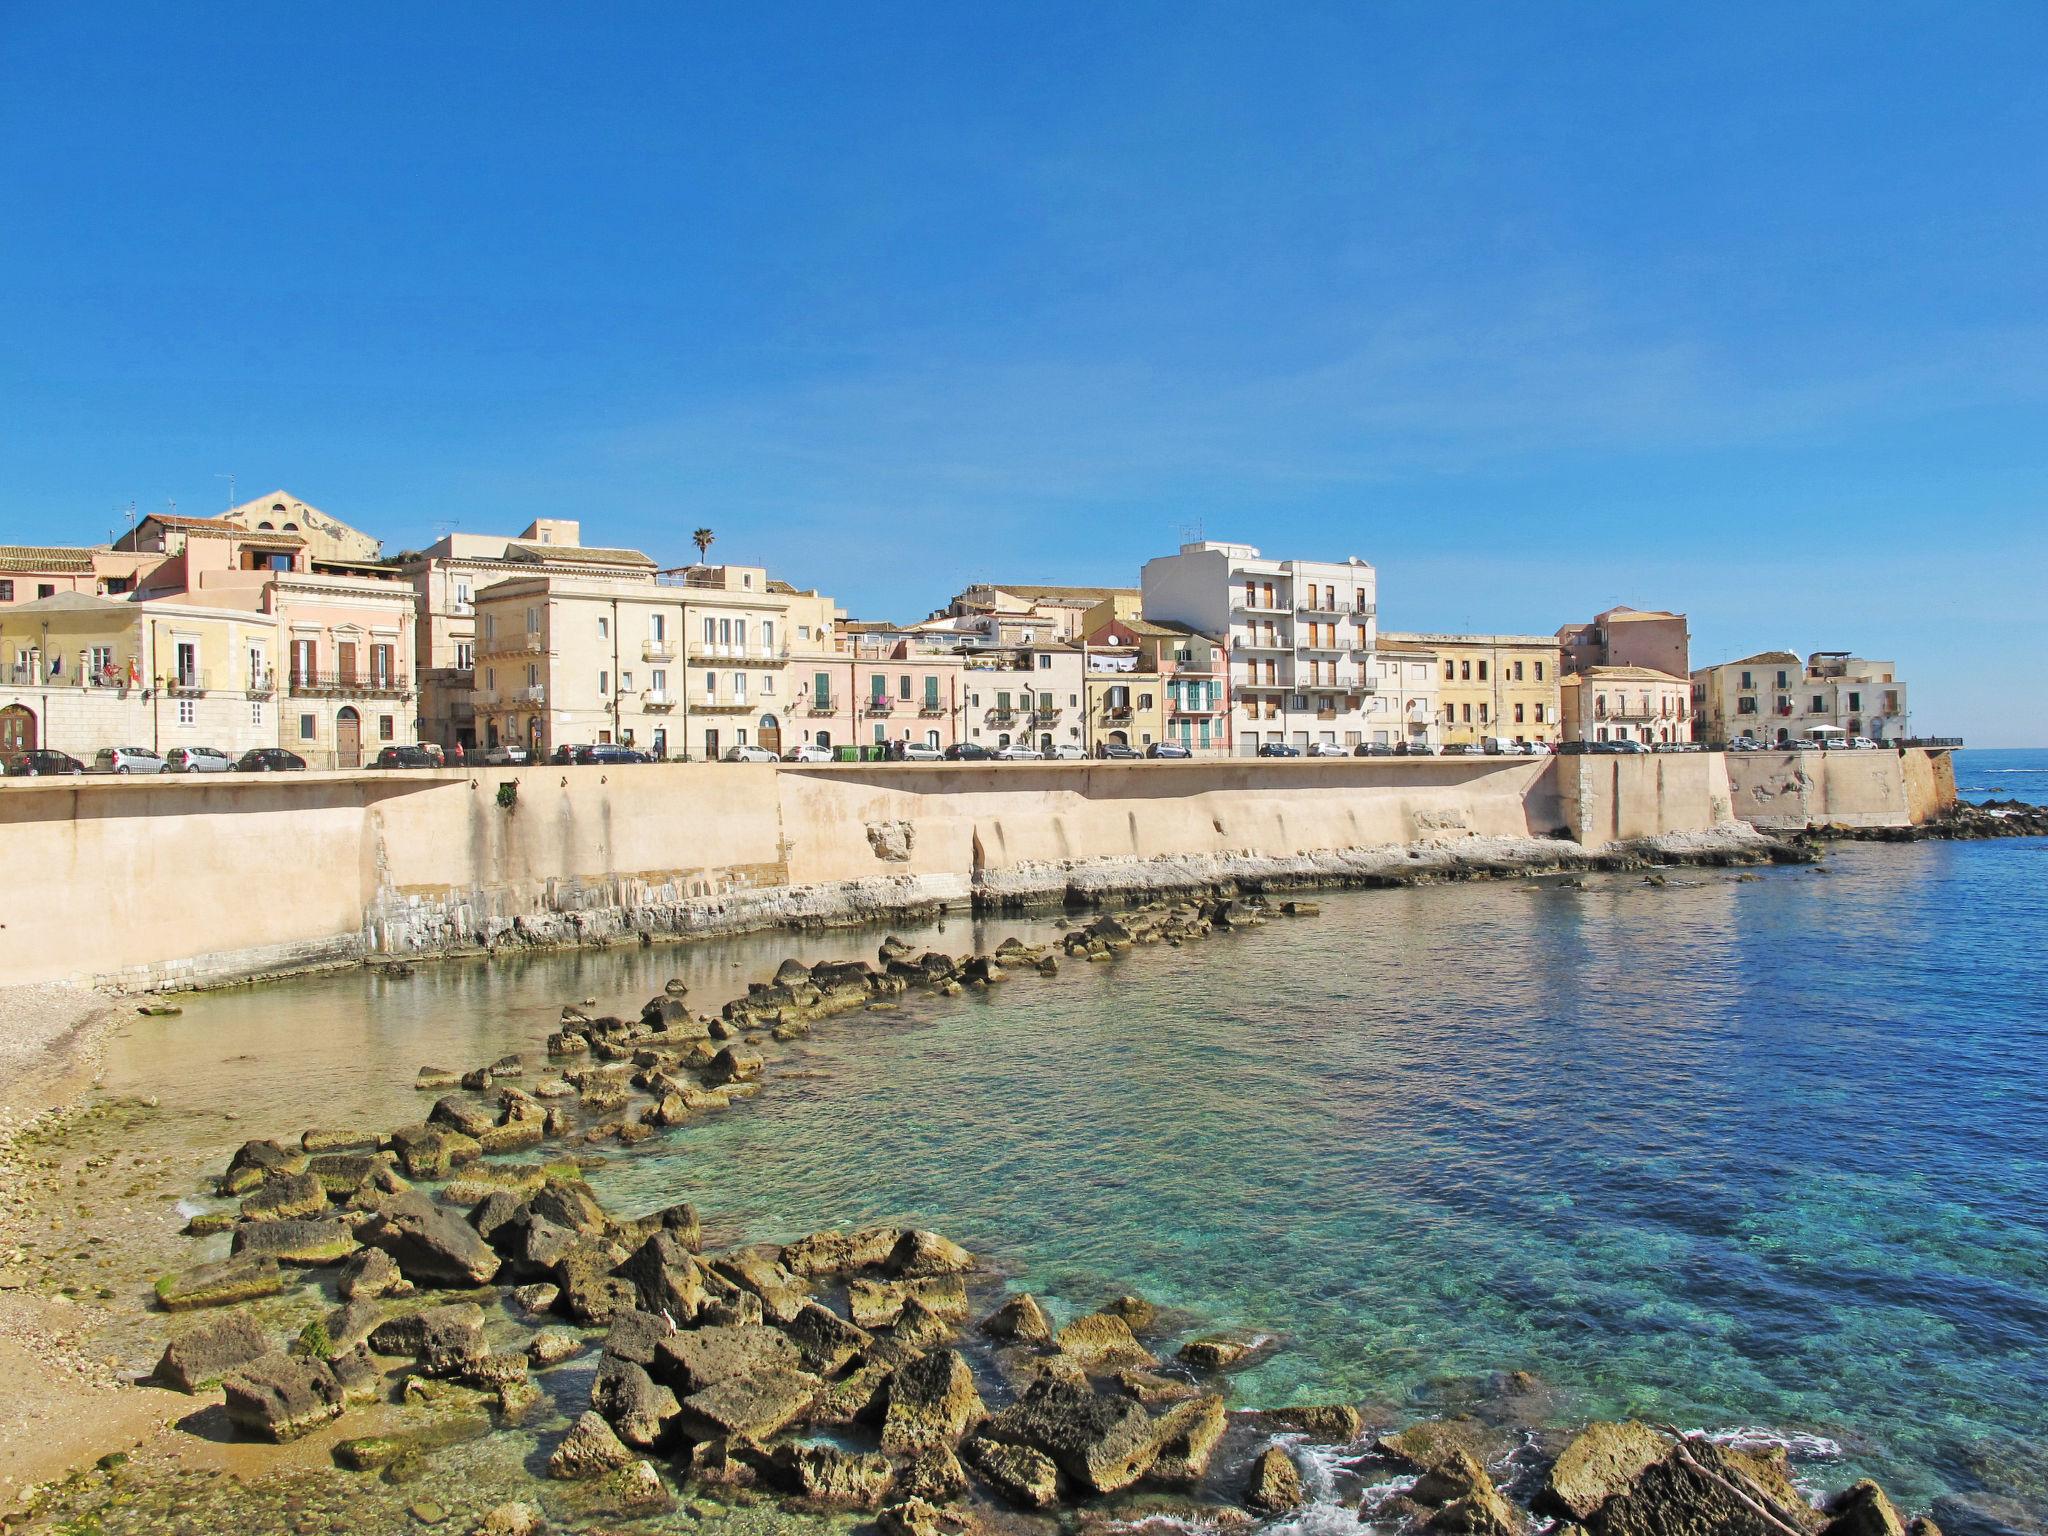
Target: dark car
x,y
1459,749
1167,749
269,760
1278,749
610,752
564,755
1374,749
966,752
1116,750
41,761
404,757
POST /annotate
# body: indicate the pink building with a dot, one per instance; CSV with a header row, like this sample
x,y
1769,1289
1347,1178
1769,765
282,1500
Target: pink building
x,y
871,692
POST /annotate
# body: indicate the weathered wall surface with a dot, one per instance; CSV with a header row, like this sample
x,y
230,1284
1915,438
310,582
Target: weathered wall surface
x,y
151,881
1791,791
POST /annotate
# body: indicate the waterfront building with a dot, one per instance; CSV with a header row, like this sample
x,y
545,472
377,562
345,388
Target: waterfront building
x,y
688,662
1503,686
1022,613
1402,709
1626,704
876,689
1628,637
446,577
1772,698
32,572
1151,682
1300,636
1031,693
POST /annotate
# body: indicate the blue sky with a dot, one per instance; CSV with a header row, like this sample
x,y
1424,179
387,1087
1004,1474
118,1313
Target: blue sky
x,y
1738,309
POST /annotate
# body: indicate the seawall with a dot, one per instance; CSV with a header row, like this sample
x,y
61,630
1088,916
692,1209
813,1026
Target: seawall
x,y
174,881
1792,791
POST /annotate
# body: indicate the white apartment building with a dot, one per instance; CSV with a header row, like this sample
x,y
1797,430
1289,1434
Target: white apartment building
x,y
1403,708
1771,698
1301,635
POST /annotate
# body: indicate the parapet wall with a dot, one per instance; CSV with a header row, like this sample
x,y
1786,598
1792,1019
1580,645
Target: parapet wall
x,y
148,882
1792,791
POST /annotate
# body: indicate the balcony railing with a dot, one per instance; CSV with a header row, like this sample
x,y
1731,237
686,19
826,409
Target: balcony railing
x,y
821,707
738,655
1265,643
1116,712
657,698
721,706
1245,604
878,707
931,711
1002,717
523,644
657,650
306,684
532,693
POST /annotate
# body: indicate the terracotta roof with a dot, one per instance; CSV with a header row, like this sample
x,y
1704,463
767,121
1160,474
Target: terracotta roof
x,y
1626,675
1763,658
573,554
36,557
171,520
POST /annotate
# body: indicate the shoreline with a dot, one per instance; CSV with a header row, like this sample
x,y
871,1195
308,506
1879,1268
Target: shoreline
x,y
746,1031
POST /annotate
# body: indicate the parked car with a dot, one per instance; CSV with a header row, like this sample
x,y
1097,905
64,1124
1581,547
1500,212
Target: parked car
x,y
1502,746
1115,749
809,752
1742,744
966,752
197,760
1069,752
1625,748
269,760
748,754
565,755
1278,749
1803,746
920,752
403,757
126,760
1327,749
1019,752
1414,749
1455,749
610,752
41,762
1374,749
1861,744
1166,749
510,755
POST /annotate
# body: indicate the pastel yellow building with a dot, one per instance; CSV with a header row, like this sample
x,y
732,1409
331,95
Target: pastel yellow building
x,y
1498,686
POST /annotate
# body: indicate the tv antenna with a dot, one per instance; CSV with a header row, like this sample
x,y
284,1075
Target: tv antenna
x,y
229,476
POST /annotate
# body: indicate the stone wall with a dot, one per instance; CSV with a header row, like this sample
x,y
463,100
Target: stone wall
x,y
1791,791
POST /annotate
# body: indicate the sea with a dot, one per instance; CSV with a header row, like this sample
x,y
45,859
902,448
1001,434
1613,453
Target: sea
x,y
1757,1153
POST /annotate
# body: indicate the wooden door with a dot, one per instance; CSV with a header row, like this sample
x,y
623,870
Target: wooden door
x,y
17,729
771,734
348,736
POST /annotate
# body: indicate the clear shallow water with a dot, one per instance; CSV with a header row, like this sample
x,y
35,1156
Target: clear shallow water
x,y
1727,1153
2007,773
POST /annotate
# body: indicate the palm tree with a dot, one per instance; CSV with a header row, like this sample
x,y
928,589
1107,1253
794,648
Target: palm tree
x,y
704,538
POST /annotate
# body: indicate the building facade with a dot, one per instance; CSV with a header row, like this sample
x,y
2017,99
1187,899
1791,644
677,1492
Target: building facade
x,y
1627,704
1300,635
1773,698
1402,711
1035,694
1492,686
1628,637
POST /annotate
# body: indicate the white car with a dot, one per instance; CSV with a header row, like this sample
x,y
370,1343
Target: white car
x,y
1017,752
197,760
1862,744
1068,752
126,760
746,754
922,752
1327,749
809,752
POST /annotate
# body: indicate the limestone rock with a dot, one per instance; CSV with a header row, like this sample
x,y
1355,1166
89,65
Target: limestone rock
x,y
285,1195
1334,1423
932,1402
434,1247
825,1474
511,1520
296,1242
919,1253
1863,1510
277,1397
637,1409
592,1289
703,1357
1017,1473
1274,1487
1215,1352
369,1273
1463,1498
933,1474
443,1339
912,1517
831,1253
824,1339
1102,1341
636,1335
666,1277
1021,1319
256,1161
220,1284
551,1346
590,1449
1187,1437
1103,1443
781,1294
756,1406
1629,1480
209,1351
432,1151
1138,1313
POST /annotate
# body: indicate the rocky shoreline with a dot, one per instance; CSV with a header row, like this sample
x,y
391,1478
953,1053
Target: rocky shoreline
x,y
461,1272
1962,822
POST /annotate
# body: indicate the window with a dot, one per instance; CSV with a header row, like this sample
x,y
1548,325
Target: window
x,y
1518,672
382,668
1784,679
710,631
657,680
1465,671
1820,705
1855,701
491,678
604,682
533,674
657,627
768,683
1450,671
625,682
386,730
1746,683
604,627
462,593
739,687
6,591
1482,671
768,636
533,621
931,694
490,626
821,690
1045,663
465,655
46,589
102,661
903,687
711,686
1482,709
1468,714
305,727
1518,713
256,712
1539,671
187,712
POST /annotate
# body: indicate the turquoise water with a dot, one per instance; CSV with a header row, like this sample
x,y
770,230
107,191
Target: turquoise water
x,y
1729,1152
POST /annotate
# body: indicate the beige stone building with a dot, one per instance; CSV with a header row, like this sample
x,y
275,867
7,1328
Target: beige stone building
x,y
1628,637
446,577
1402,710
1036,693
1774,698
1491,686
689,662
1627,704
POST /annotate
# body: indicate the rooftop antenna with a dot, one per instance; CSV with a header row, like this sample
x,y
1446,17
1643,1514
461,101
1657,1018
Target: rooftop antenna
x,y
229,476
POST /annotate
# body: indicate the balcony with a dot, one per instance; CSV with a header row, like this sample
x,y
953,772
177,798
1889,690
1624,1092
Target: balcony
x,y
1279,645
1046,716
533,693
657,650
931,711
818,707
1178,707
1116,713
1334,647
528,644
1243,604
657,698
482,698
348,684
738,655
1002,717
875,708
721,706
187,685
